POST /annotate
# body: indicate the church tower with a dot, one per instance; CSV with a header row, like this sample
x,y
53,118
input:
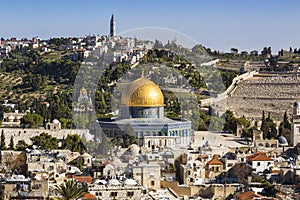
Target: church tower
x,y
295,130
112,27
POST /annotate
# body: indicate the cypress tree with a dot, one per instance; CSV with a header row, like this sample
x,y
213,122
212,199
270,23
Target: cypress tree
x,y
286,123
2,141
263,120
11,144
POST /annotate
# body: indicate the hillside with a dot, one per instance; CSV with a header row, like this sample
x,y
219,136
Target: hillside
x,y
274,93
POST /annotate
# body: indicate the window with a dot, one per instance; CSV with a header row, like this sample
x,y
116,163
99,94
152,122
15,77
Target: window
x,y
258,164
130,194
98,193
36,186
152,183
113,194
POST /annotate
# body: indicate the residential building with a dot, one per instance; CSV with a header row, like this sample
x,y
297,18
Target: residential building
x,y
260,162
148,175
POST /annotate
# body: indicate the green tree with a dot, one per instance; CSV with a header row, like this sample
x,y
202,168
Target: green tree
x,y
21,145
158,44
230,122
78,162
74,143
70,190
2,145
285,127
32,120
45,141
234,50
204,121
243,121
263,119
269,128
3,109
216,123
63,122
11,145
266,51
286,123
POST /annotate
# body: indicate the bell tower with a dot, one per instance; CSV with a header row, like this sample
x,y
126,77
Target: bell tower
x,y
295,129
113,28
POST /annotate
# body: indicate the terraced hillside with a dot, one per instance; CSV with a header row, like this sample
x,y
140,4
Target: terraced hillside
x,y
274,93
9,81
15,88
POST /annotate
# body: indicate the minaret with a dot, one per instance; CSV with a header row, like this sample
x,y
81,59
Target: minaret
x,y
295,129
112,26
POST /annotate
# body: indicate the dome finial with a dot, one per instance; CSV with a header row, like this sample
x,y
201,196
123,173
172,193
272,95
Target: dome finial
x,y
142,76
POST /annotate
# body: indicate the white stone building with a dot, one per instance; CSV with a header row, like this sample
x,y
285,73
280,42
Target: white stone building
x,y
260,162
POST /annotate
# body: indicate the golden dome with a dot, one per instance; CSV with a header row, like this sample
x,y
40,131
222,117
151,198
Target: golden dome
x,y
143,93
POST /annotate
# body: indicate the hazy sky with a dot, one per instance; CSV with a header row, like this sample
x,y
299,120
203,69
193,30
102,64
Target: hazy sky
x,y
217,24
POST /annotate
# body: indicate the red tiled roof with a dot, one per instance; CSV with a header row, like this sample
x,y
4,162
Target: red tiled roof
x,y
257,153
106,162
216,156
89,196
69,175
259,157
215,162
84,179
249,195
275,171
80,50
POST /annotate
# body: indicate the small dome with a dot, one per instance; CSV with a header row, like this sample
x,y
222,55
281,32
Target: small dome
x,y
114,182
134,148
297,103
130,182
282,140
100,182
55,121
86,155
